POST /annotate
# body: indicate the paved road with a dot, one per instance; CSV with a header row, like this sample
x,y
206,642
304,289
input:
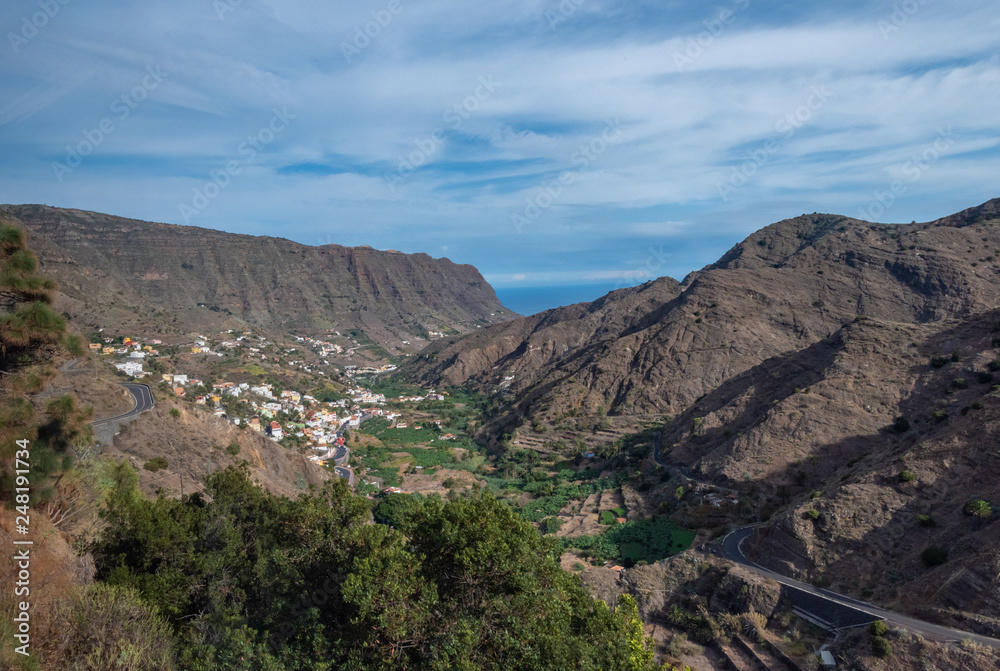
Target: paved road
x,y
346,473
840,606
732,548
142,399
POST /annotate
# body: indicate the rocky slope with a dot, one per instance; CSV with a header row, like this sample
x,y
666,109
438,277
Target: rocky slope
x,y
786,366
130,273
659,347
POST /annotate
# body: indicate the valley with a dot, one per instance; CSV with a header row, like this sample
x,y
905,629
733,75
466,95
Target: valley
x,y
828,389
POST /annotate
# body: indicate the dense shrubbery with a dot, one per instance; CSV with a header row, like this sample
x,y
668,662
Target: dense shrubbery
x,y
252,581
155,464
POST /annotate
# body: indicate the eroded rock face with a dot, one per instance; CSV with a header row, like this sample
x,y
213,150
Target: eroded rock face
x,y
111,265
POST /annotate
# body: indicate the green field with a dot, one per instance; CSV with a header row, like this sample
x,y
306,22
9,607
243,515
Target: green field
x,y
634,541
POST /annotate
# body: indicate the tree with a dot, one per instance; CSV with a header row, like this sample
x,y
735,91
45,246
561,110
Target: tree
x,y
29,327
309,584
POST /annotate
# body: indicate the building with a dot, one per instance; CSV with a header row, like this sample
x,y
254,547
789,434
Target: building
x,y
95,345
133,368
275,431
255,425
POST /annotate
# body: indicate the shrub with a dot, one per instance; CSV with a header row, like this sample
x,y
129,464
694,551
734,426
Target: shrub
x,y
155,464
926,521
109,627
880,646
959,383
935,555
233,448
551,525
878,628
994,366
901,425
983,377
907,476
957,356
978,508
939,361
940,416
174,412
813,514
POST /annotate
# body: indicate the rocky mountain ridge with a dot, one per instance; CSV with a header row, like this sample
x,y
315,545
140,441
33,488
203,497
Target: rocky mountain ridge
x,y
785,287
841,374
119,271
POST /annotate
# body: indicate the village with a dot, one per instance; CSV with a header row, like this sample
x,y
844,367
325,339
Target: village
x,y
281,408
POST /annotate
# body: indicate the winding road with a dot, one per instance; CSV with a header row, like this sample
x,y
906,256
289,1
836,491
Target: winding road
x,y
837,610
142,399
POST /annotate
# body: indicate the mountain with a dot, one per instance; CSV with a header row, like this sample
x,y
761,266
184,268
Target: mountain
x,y
659,347
131,273
840,375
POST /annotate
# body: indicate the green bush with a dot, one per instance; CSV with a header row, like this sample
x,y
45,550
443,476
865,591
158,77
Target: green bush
x,y
978,508
939,361
174,412
907,476
984,377
994,366
901,425
878,628
813,514
233,448
926,521
551,525
959,383
607,517
155,464
940,416
935,555
880,646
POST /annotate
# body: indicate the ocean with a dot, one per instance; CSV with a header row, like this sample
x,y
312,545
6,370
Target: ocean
x,y
531,300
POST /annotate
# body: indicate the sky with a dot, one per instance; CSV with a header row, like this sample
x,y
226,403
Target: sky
x,y
548,143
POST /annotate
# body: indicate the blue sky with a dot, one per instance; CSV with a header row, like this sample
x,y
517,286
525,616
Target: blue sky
x,y
546,142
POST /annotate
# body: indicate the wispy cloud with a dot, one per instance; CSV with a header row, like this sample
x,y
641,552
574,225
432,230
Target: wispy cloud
x,y
562,77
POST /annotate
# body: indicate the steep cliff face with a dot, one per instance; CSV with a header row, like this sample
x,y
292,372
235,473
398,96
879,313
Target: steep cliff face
x,y
786,287
118,268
